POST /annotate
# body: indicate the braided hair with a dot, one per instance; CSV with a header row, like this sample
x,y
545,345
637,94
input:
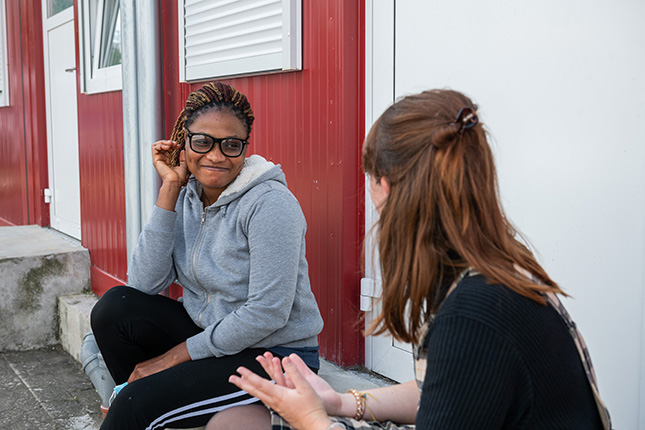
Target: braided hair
x,y
212,96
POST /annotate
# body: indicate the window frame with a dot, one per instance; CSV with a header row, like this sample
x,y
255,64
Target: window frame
x,y
4,60
94,79
289,59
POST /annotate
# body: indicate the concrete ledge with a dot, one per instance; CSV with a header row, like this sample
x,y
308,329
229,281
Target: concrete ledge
x,y
342,379
36,266
74,321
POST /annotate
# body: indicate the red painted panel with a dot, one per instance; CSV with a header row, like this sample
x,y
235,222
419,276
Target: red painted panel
x,y
5,223
13,181
101,281
102,183
35,111
23,138
311,122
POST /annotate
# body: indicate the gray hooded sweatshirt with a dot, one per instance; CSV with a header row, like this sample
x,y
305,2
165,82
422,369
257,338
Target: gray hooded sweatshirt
x,y
241,263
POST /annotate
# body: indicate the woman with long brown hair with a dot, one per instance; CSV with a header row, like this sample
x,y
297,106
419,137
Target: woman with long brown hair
x,y
494,348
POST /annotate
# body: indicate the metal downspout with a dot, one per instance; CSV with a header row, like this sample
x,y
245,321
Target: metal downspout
x,y
150,102
130,121
142,107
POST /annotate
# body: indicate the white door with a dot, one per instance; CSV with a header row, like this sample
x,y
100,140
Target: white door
x,y
383,354
62,125
563,101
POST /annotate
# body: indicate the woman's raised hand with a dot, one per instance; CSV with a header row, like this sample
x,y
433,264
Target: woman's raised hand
x,y
330,398
172,177
161,158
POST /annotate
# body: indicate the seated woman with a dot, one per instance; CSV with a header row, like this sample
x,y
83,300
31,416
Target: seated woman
x,y
228,230
495,349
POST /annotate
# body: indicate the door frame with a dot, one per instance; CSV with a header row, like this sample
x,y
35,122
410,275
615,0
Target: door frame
x,y
383,354
50,23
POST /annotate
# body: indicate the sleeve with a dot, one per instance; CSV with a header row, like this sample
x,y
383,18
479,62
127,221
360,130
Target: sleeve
x,y
275,229
152,269
470,377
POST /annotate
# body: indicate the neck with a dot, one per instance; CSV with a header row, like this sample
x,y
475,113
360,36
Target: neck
x,y
209,199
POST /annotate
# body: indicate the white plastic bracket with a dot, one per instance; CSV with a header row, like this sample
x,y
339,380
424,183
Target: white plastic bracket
x,y
47,194
370,289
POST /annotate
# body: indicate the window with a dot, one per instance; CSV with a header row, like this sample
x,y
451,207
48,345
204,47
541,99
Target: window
x,y
100,45
235,37
56,6
4,63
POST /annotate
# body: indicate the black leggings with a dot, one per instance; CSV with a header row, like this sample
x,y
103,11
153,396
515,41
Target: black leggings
x,y
131,327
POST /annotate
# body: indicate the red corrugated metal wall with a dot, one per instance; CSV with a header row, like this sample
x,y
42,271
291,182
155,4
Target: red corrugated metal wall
x,y
100,152
23,132
102,184
311,122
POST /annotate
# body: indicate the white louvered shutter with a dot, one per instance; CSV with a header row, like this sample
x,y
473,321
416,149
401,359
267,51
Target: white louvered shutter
x,y
234,37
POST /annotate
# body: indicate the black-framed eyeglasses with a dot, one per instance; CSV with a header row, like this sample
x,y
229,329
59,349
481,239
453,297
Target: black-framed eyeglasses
x,y
202,143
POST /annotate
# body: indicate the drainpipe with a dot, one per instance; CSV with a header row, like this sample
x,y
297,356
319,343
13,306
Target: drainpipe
x,y
130,121
150,99
142,107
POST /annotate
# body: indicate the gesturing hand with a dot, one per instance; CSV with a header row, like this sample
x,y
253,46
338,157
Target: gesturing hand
x,y
295,399
330,398
161,158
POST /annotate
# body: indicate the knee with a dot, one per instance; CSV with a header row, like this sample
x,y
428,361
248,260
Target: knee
x,y
247,417
132,408
108,308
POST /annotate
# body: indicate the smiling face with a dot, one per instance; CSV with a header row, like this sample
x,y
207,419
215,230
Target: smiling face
x,y
214,170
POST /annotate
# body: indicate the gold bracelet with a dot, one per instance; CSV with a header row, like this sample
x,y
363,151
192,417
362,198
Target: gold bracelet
x,y
360,403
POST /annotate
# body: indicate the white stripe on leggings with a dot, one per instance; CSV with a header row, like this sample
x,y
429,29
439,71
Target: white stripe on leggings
x,y
158,422
209,411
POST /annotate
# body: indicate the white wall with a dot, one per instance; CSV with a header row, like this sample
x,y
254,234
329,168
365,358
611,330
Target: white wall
x,y
561,87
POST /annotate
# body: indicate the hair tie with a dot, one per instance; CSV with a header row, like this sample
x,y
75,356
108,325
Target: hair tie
x,y
467,118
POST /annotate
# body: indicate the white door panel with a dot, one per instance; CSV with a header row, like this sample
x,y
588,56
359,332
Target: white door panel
x,y
561,88
60,69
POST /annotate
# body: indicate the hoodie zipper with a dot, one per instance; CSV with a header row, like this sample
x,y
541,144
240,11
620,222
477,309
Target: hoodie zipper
x,y
208,296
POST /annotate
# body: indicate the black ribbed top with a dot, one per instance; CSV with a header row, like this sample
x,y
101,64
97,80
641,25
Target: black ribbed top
x,y
497,360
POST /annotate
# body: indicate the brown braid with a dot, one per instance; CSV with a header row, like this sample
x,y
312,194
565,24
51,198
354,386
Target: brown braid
x,y
214,95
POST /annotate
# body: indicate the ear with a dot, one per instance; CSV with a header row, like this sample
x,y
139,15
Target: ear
x,y
182,159
385,184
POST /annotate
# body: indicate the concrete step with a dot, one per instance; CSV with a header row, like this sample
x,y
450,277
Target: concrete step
x,y
37,266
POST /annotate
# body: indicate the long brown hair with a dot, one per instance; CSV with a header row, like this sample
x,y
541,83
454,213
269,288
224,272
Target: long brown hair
x,y
442,213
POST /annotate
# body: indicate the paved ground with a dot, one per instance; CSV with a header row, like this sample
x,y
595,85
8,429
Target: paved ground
x,y
46,389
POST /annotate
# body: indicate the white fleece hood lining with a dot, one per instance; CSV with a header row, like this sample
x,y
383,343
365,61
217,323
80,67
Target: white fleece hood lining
x,y
254,167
